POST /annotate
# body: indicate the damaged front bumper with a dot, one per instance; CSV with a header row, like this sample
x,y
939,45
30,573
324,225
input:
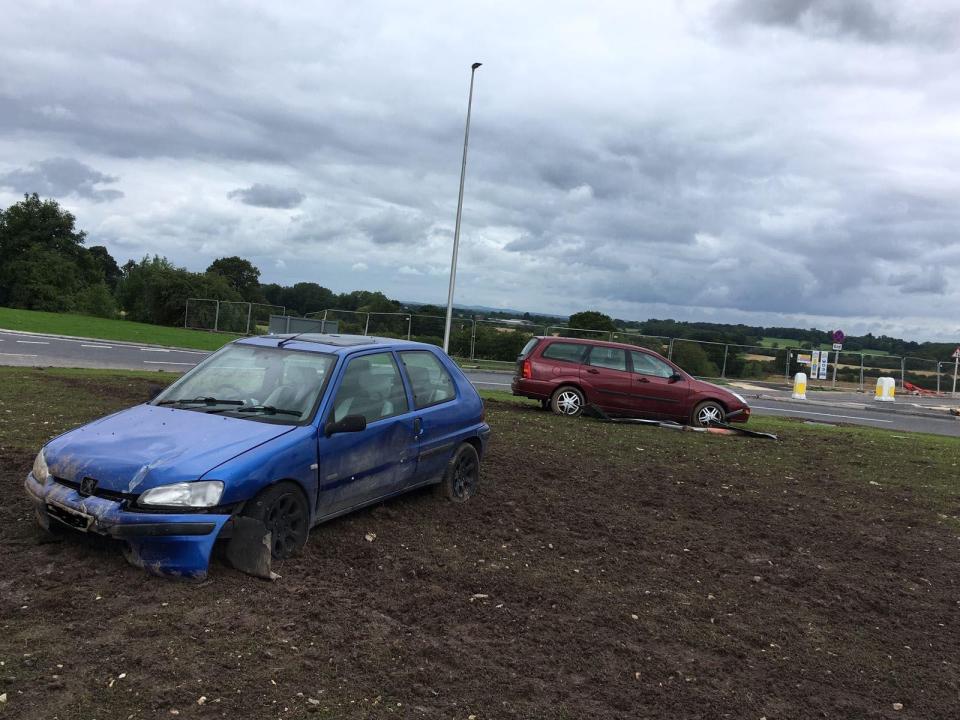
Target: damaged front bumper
x,y
168,544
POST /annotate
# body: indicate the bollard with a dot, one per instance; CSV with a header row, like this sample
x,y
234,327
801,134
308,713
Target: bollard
x,y
886,389
800,386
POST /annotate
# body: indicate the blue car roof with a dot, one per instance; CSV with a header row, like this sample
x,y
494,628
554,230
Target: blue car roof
x,y
333,344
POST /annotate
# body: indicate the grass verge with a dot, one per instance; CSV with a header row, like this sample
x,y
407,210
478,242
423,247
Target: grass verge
x,y
106,329
37,404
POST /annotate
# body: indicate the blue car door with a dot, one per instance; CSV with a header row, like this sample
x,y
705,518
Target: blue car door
x,y
439,417
357,467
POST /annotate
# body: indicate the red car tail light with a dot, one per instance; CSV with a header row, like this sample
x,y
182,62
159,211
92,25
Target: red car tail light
x,y
526,370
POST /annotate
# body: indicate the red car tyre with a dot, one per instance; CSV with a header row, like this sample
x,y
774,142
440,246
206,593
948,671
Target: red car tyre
x,y
567,400
707,413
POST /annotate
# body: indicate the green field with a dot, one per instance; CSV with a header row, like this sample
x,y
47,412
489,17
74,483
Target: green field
x,y
790,343
107,329
47,402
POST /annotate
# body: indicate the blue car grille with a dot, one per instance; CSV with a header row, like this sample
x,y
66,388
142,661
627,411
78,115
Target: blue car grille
x,y
98,492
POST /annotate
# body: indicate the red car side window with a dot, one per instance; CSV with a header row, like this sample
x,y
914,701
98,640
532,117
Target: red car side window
x,y
606,357
567,352
649,365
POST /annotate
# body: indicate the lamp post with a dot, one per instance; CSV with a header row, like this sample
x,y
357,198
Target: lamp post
x,y
456,230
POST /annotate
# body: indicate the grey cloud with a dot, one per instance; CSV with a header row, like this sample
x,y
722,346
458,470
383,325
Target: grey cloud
x,y
856,18
395,227
928,280
871,21
593,177
268,196
61,177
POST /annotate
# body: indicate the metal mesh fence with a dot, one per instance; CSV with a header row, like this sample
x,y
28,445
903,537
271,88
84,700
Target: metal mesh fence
x,y
585,333
243,318
656,343
201,314
501,341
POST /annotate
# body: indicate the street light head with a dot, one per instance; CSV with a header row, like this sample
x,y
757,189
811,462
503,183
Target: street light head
x,y
475,66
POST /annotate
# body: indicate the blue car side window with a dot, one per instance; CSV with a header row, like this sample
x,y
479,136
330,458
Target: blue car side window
x,y
429,379
371,386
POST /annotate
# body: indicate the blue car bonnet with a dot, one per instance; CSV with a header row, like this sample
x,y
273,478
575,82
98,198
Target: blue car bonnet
x,y
146,446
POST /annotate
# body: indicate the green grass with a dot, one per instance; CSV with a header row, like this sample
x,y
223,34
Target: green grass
x,y
485,364
107,329
926,465
37,404
790,343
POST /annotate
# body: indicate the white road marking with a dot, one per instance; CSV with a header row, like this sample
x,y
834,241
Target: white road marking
x,y
106,347
33,342
16,355
10,333
807,412
161,362
153,349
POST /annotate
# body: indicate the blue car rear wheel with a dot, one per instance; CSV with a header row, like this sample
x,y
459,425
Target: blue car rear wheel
x,y
462,479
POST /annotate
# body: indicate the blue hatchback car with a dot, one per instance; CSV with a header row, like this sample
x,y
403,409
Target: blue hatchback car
x,y
260,442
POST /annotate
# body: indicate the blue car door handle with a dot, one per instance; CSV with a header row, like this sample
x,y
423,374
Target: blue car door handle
x,y
417,427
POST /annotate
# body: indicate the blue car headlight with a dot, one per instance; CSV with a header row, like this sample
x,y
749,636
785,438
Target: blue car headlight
x,y
40,470
201,494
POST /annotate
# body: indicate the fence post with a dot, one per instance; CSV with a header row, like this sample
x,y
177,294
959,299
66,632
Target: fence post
x,y
216,318
861,373
186,315
670,350
249,312
409,325
473,339
367,326
903,371
938,377
723,371
786,370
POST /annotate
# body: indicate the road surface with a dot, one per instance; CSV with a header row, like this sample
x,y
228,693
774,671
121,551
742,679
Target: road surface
x,y
50,351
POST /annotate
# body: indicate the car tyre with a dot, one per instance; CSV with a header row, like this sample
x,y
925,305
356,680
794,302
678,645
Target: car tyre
x,y
708,413
568,401
282,508
461,481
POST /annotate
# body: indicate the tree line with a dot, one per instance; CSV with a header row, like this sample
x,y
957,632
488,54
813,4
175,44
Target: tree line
x,y
46,265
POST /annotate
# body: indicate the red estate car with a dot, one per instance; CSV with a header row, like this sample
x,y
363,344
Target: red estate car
x,y
566,374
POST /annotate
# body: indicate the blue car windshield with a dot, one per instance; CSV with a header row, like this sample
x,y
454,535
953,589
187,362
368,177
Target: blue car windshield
x,y
257,383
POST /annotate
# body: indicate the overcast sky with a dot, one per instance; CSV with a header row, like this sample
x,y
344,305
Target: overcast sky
x,y
790,162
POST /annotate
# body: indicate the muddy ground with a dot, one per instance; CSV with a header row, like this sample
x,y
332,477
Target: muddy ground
x,y
605,572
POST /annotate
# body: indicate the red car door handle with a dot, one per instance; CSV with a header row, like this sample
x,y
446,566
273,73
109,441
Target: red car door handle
x,y
592,371
642,380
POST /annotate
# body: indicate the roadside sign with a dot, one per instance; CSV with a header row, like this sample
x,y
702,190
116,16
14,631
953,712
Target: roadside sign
x,y
838,346
838,337
824,362
956,353
803,358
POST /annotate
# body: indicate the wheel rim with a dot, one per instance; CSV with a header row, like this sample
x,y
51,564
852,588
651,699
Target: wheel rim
x,y
709,415
568,402
285,520
465,476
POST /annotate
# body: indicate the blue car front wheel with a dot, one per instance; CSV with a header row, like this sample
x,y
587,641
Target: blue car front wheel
x,y
282,508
